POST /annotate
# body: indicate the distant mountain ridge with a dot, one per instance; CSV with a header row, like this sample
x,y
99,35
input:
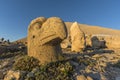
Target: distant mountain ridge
x,y
88,29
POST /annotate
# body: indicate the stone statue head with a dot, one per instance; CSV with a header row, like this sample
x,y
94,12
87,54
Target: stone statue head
x,y
44,38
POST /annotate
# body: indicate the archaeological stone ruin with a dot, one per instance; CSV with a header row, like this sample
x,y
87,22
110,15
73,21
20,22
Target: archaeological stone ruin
x,y
44,38
78,42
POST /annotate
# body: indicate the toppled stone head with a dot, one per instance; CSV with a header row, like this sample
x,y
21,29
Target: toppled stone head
x,y
44,38
97,43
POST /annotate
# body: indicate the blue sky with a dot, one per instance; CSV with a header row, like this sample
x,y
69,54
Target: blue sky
x,y
15,15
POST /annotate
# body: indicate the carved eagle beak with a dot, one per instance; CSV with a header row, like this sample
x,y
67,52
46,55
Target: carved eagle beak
x,y
50,35
47,38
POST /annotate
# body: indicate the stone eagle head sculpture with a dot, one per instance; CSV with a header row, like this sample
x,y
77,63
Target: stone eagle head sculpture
x,y
44,38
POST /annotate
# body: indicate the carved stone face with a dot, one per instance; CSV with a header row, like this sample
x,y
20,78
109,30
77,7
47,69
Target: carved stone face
x,y
51,30
44,38
77,38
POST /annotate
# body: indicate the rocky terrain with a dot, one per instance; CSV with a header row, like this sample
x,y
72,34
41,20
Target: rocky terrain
x,y
98,62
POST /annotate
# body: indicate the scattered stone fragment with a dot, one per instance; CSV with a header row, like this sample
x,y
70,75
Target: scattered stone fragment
x,y
81,77
89,78
12,75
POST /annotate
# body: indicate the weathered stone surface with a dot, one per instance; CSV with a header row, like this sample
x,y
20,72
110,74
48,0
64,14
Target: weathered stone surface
x,y
77,38
65,43
88,40
95,75
12,75
112,42
89,78
44,38
81,77
96,43
30,75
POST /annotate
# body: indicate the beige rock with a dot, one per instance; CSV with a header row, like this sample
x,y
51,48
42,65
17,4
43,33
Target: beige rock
x,y
89,78
113,42
12,75
88,40
65,43
81,77
103,77
77,38
44,38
